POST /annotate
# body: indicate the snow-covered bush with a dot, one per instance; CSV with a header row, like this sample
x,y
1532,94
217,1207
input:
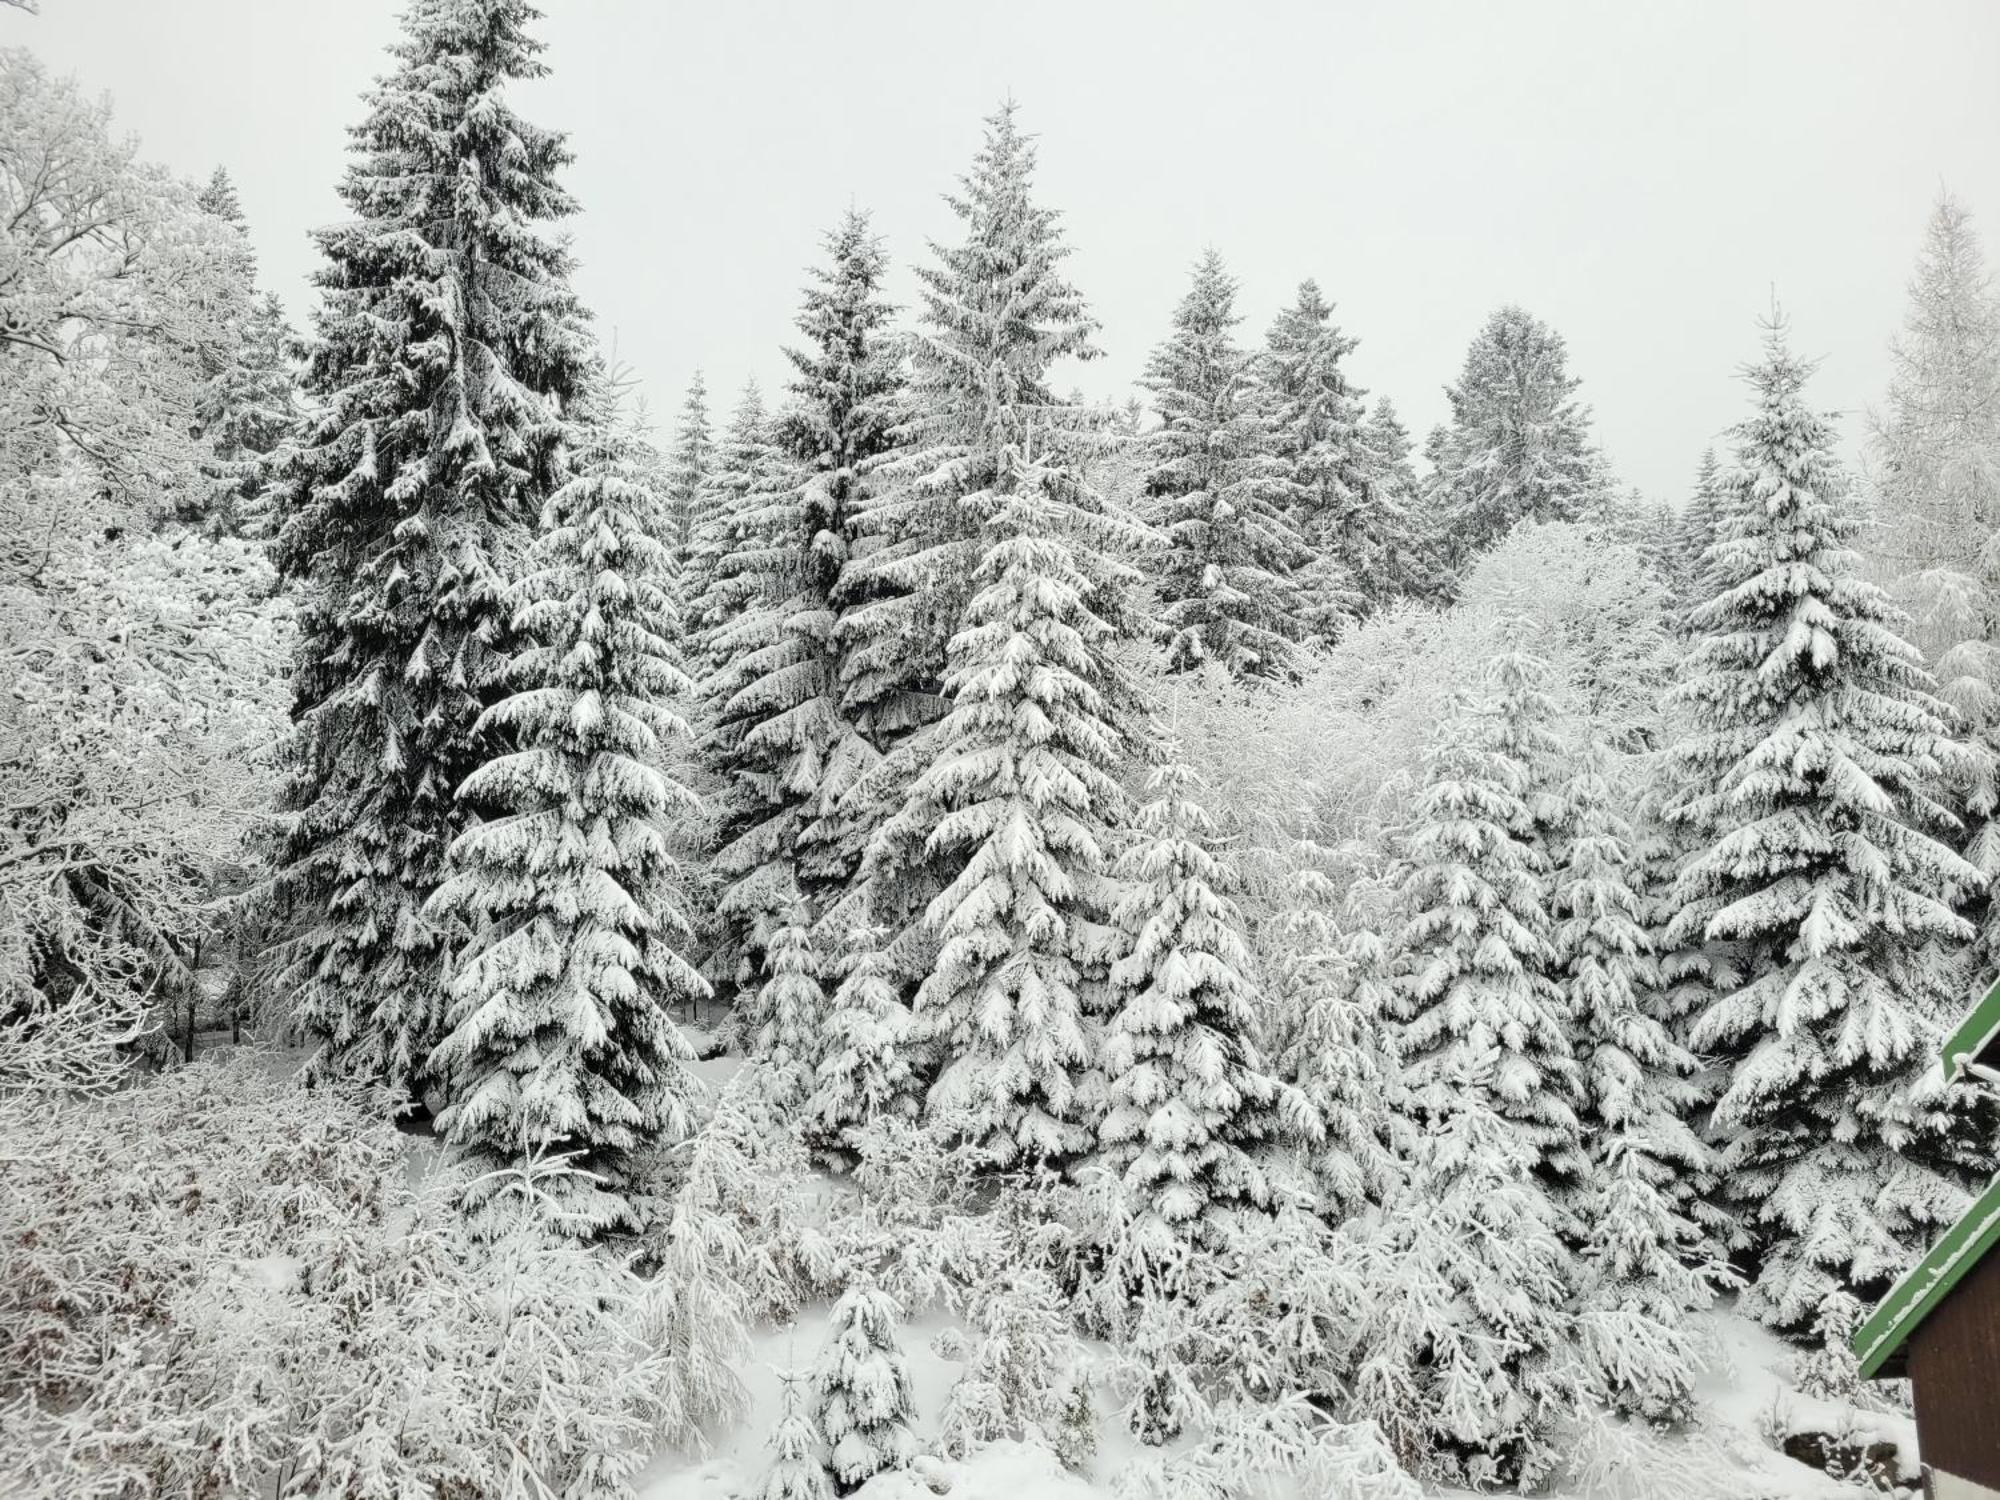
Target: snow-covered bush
x,y
146,692
1312,772
914,1223
143,667
1273,1452
1464,1352
743,1195
1281,1309
58,1046
1025,1378
217,1283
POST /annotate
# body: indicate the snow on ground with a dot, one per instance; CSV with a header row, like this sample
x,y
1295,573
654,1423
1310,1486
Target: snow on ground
x,y
1003,1471
1746,1392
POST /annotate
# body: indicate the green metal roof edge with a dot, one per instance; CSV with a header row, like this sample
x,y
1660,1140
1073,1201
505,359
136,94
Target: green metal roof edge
x,y
1977,1032
1916,1295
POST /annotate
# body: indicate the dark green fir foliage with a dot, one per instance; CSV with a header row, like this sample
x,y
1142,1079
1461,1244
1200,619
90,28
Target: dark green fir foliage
x,y
445,356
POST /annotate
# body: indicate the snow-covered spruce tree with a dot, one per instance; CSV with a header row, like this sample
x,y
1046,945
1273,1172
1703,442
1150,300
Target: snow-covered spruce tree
x,y
688,467
246,404
739,569
446,351
729,563
1010,810
790,1012
1478,971
1021,799
1339,1053
1935,450
997,314
1191,1107
783,737
1688,580
1646,1261
1518,443
798,1453
1408,560
560,1039
861,1390
1221,494
864,1072
1524,720
1464,1356
848,406
1935,458
1809,787
1346,512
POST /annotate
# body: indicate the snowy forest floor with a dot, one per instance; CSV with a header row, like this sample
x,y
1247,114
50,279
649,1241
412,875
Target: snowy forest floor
x,y
1749,1408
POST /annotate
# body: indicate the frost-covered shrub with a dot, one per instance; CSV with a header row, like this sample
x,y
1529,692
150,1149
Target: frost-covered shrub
x,y
146,688
1609,1458
219,1284
1465,1352
1281,1309
68,1044
743,1194
913,1223
1314,770
1025,1377
1273,1452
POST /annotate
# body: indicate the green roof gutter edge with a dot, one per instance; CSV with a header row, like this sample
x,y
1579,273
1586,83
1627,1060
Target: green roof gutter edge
x,y
1929,1282
1975,1034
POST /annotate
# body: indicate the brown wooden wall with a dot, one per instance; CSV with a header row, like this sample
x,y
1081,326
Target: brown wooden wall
x,y
1955,1368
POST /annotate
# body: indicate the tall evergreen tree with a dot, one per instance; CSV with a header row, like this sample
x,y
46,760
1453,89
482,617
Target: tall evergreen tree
x,y
1017,790
1811,782
1221,494
743,565
1935,454
1409,562
447,351
1478,961
560,1038
1347,510
1519,441
246,403
1936,448
1689,582
733,557
789,744
1468,1355
1646,1258
688,467
1191,1106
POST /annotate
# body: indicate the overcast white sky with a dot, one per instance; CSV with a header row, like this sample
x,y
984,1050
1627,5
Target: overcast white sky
x,y
1641,175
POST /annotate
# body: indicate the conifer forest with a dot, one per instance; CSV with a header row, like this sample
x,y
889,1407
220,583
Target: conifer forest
x,y
571,930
